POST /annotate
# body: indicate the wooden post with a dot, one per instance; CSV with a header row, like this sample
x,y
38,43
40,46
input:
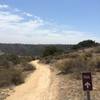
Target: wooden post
x,y
88,95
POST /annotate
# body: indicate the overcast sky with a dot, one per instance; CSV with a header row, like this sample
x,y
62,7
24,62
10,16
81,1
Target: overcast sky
x,y
49,21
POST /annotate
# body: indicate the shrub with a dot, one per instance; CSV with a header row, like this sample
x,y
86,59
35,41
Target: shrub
x,y
63,65
28,67
72,55
5,64
13,58
85,55
17,77
50,50
97,49
74,66
24,59
88,54
12,68
9,60
97,63
10,76
85,44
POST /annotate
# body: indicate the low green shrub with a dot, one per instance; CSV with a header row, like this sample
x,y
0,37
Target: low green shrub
x,y
28,67
10,77
13,58
12,69
51,50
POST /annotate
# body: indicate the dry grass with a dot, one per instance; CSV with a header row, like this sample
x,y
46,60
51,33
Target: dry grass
x,y
97,49
76,63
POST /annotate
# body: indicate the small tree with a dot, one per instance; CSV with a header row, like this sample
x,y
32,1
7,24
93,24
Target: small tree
x,y
50,50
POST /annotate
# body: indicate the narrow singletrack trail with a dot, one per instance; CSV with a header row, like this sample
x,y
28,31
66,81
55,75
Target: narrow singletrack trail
x,y
37,85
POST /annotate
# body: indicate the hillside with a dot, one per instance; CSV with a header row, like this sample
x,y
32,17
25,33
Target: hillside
x,y
33,85
53,86
69,67
28,49
58,76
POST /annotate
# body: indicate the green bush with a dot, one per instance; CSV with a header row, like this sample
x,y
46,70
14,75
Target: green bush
x,y
17,77
8,61
25,59
85,44
12,68
50,50
28,67
10,77
13,58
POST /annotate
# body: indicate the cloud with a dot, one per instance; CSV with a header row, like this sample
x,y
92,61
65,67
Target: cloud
x,y
16,10
8,17
28,14
22,27
3,6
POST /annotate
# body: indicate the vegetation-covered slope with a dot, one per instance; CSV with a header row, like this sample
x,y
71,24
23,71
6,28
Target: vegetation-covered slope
x,y
27,49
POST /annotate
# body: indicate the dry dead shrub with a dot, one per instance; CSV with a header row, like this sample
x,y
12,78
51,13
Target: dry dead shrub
x,y
28,67
97,49
75,66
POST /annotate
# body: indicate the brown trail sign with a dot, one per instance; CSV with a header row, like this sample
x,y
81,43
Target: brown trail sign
x,y
87,83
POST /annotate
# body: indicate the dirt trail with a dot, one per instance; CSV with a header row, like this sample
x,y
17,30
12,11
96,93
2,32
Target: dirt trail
x,y
37,86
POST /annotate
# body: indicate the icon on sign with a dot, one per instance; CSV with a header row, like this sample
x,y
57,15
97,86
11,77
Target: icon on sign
x,y
87,81
87,85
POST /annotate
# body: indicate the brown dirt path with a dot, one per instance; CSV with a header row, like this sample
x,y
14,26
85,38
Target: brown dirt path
x,y
38,85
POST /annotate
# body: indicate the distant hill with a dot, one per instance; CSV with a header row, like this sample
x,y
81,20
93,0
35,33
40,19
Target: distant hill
x,y
86,44
28,49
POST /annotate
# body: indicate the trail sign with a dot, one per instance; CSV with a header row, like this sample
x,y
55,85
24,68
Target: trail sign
x,y
87,81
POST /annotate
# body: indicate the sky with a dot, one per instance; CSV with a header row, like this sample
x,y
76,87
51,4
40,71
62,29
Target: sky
x,y
49,21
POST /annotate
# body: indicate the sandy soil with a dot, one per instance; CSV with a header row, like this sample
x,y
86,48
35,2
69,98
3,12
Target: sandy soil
x,y
37,87
44,84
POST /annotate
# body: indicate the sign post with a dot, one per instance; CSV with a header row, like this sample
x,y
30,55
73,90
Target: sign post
x,y
87,83
88,95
